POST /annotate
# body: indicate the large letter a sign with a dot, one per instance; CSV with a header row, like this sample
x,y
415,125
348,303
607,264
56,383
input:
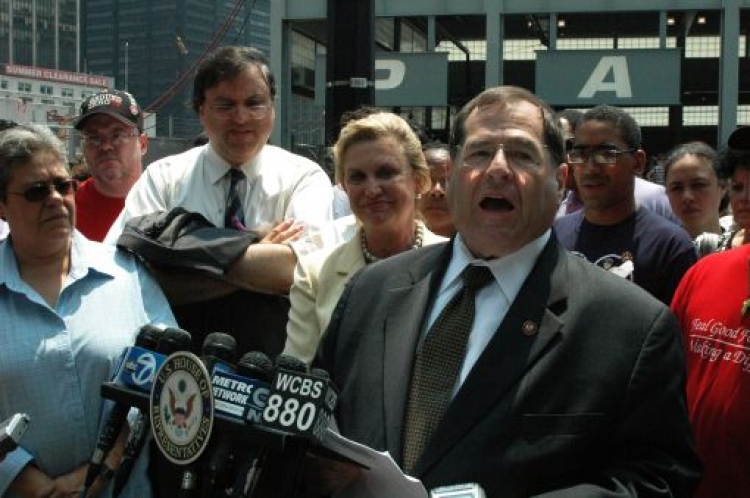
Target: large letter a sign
x,y
619,83
623,77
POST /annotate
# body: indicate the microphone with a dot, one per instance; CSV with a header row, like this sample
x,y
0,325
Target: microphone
x,y
146,337
219,353
171,340
301,404
254,365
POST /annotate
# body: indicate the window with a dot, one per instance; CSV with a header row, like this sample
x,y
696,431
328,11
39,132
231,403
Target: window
x,y
67,92
24,86
3,84
45,89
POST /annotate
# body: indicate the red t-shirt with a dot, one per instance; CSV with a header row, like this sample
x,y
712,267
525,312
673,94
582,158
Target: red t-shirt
x,y
708,304
95,212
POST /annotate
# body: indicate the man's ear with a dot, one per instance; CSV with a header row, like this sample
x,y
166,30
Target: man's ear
x,y
143,138
640,162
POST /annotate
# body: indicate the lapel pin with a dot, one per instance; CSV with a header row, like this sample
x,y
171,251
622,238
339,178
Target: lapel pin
x,y
529,328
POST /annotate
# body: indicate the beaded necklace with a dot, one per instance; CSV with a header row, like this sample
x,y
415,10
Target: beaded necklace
x,y
371,258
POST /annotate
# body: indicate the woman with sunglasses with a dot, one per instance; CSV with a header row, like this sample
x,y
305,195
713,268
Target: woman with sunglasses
x,y
68,307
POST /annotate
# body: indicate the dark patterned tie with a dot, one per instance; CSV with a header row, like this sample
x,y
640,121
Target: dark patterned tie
x,y
438,364
234,216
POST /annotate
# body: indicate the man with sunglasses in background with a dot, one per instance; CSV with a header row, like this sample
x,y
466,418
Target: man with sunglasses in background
x,y
111,126
613,230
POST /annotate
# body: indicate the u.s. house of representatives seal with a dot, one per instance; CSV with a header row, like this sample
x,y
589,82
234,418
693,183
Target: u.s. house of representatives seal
x,y
182,408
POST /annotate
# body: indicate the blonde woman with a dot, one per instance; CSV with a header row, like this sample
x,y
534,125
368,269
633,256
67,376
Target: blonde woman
x,y
380,164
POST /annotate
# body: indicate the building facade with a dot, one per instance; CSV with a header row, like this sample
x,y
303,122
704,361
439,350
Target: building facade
x,y
680,67
151,48
41,33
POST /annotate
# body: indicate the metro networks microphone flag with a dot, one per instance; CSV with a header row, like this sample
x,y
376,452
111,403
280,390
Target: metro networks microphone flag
x,y
239,397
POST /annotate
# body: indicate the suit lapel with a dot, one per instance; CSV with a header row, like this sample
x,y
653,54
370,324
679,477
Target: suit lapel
x,y
528,331
350,260
408,300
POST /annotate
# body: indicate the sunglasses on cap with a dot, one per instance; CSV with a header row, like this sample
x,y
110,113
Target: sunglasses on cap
x,y
41,191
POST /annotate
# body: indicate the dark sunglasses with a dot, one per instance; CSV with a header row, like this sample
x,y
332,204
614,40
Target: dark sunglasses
x,y
41,191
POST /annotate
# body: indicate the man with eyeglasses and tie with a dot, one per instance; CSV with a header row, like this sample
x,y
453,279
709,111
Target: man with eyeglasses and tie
x,y
236,181
114,143
239,182
612,230
493,358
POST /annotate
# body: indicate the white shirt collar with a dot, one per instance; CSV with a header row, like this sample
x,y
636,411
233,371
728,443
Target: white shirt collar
x,y
510,271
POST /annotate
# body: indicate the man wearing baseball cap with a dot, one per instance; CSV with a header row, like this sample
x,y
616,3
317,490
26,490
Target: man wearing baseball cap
x,y
111,126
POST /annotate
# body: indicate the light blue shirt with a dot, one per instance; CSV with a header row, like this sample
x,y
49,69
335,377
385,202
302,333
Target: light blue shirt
x,y
53,361
493,301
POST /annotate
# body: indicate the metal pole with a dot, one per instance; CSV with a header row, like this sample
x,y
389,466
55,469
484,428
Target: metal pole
x,y
126,65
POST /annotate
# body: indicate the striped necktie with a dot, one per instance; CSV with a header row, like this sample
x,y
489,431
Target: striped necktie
x,y
234,215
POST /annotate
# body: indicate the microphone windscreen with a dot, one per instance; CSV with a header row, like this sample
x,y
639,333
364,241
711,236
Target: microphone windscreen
x,y
174,339
220,345
290,363
148,336
255,365
320,374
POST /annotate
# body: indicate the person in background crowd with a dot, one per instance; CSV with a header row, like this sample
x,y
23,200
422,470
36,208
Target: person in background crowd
x,y
200,139
571,202
379,163
5,124
341,206
734,167
233,95
650,195
433,205
60,335
114,143
236,181
712,304
542,386
612,231
695,192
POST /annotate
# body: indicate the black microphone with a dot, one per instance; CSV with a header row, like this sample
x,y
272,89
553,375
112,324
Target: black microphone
x,y
146,337
172,339
253,365
289,381
219,353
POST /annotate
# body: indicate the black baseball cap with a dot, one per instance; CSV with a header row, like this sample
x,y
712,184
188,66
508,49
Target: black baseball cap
x,y
740,139
120,105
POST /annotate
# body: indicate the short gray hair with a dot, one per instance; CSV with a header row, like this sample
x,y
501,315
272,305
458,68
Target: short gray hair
x,y
18,145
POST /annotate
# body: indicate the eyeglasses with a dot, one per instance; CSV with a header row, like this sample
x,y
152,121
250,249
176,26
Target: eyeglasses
x,y
225,110
600,155
519,156
42,190
118,139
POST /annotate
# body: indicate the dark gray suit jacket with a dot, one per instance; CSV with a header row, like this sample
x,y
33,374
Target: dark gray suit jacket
x,y
579,393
